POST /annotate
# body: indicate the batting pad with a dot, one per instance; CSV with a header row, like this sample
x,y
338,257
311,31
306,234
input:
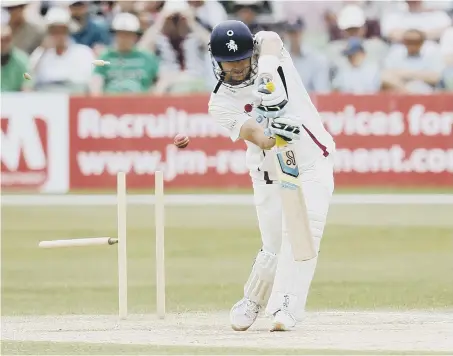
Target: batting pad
x,y
259,285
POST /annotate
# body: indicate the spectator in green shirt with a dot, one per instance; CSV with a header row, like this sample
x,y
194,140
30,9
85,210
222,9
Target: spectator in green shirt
x,y
14,61
131,70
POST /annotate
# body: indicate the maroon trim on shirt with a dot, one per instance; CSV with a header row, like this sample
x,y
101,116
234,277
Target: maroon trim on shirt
x,y
325,153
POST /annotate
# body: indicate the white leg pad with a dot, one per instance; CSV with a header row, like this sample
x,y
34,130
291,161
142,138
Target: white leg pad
x,y
269,211
259,285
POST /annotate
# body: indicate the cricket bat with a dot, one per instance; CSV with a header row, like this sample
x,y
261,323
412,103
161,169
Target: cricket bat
x,y
293,202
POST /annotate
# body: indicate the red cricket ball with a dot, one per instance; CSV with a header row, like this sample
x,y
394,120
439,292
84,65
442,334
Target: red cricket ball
x,y
181,141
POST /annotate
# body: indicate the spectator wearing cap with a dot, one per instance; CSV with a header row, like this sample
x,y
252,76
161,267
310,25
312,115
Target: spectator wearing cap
x,y
414,16
415,66
60,65
208,13
26,35
357,75
180,43
446,48
111,9
14,61
312,66
352,22
85,29
372,10
131,70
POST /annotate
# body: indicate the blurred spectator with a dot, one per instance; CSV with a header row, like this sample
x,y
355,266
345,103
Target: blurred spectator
x,y
370,22
86,30
131,70
208,12
14,61
148,12
247,12
180,42
446,5
317,15
119,7
357,75
27,35
415,66
311,65
125,6
446,48
352,23
433,22
60,64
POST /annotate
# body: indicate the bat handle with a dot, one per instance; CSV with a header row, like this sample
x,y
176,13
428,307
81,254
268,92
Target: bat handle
x,y
280,142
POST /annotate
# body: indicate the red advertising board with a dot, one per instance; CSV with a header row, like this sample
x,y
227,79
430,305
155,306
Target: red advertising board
x,y
135,135
384,140
391,140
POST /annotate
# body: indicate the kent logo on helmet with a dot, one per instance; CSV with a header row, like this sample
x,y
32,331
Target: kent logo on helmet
x,y
233,53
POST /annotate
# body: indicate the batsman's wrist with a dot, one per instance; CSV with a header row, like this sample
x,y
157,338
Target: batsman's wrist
x,y
267,66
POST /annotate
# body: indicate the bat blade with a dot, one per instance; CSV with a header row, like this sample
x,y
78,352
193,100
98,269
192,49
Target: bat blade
x,y
293,203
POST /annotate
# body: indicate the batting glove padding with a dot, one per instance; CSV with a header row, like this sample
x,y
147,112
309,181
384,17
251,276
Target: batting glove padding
x,y
270,103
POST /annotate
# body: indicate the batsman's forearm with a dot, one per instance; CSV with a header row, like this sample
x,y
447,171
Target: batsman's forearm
x,y
271,47
254,133
267,143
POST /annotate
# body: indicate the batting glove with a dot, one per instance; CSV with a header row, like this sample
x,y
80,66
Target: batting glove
x,y
270,100
287,128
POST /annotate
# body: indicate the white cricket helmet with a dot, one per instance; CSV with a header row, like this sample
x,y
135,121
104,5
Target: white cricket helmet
x,y
126,22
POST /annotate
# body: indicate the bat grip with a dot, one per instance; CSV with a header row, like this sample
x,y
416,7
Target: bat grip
x,y
280,142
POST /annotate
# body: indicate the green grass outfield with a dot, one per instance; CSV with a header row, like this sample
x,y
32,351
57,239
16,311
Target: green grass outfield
x,y
373,257
209,251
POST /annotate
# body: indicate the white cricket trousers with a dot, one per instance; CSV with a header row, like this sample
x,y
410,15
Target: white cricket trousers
x,y
292,279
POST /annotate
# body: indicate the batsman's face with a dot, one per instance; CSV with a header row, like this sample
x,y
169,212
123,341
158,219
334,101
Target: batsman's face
x,y
238,71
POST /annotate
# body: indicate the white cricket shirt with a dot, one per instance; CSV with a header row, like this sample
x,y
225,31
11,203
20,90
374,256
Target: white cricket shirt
x,y
230,106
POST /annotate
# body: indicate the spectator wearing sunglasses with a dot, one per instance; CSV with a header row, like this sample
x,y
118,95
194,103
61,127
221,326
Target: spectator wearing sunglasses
x,y
415,66
85,30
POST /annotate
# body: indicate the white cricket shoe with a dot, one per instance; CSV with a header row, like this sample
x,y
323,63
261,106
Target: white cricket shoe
x,y
243,314
283,321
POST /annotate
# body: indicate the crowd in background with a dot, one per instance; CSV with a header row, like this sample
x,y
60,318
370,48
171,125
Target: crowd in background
x,y
161,47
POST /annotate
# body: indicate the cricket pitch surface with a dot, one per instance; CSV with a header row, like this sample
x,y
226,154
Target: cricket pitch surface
x,y
362,331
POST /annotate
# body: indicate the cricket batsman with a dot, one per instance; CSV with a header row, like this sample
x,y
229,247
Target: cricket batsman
x,y
255,112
